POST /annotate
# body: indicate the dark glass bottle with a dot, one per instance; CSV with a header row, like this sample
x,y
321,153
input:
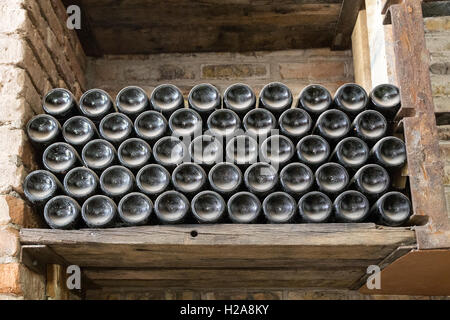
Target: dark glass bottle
x,y
315,99
40,186
172,207
351,99
239,98
132,101
295,123
189,178
244,207
390,152
385,98
261,178
372,180
98,155
392,209
206,150
313,150
169,152
134,153
333,125
116,128
332,178
223,123
351,152
135,209
43,130
60,158
185,123
99,212
166,98
259,123
275,97
117,181
351,207
225,178
370,125
81,183
150,126
96,104
60,103
153,179
204,98
62,212
296,179
79,130
242,150
315,207
279,207
277,150
208,207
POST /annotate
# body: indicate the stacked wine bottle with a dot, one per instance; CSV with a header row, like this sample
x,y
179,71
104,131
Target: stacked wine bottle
x,y
152,160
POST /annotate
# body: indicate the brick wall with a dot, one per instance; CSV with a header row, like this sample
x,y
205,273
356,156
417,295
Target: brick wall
x,y
296,68
37,53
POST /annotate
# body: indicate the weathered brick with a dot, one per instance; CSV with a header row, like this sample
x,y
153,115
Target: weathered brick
x,y
441,104
16,211
10,278
235,71
444,132
440,85
437,24
15,112
173,71
317,70
438,42
9,242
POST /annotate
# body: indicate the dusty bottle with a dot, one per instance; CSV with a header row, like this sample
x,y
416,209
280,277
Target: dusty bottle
x,y
153,179
99,212
279,207
40,186
225,178
172,207
295,123
223,123
392,209
332,178
132,101
385,98
351,99
333,125
259,123
98,155
261,178
135,209
239,98
204,98
315,207
60,158
206,150
189,178
117,181
372,180
150,126
43,130
351,152
166,98
116,128
208,207
313,150
96,104
389,152
242,150
62,212
244,207
370,125
351,207
60,103
315,99
296,179
275,97
277,150
134,153
185,123
169,151
81,183
78,130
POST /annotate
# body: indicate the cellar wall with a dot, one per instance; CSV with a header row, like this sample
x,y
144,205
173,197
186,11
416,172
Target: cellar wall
x,y
37,53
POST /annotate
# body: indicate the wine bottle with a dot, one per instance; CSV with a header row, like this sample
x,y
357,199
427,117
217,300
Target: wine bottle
x,y
332,178
78,130
261,178
295,123
117,181
171,207
351,207
259,123
239,98
185,123
116,128
277,150
99,212
153,179
279,207
351,99
208,207
43,130
223,123
40,186
60,158
169,151
206,150
98,155
392,209
275,97
81,183
315,207
385,98
204,98
242,150
389,152
135,209
371,180
351,152
370,126
132,101
296,179
225,178
60,103
62,212
313,150
315,99
150,126
189,178
166,98
244,207
333,125
134,153
96,104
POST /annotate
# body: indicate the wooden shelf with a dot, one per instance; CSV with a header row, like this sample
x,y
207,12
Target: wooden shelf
x,y
220,256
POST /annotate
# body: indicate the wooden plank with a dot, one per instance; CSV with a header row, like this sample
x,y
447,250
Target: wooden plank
x,y
361,52
345,24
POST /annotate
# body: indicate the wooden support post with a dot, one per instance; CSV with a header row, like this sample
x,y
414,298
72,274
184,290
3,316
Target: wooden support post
x,y
361,52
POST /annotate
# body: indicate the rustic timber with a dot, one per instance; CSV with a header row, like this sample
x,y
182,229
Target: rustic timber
x,y
328,255
361,52
344,28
